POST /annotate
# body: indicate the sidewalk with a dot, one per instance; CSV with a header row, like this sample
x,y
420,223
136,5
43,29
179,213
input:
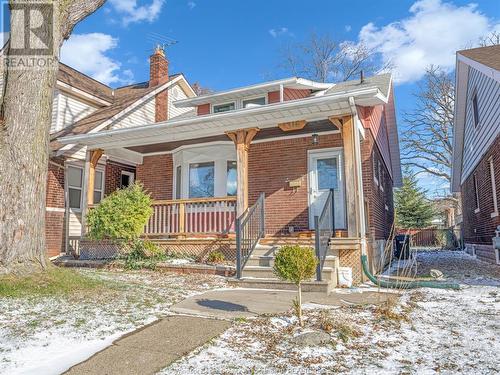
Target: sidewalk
x,y
153,347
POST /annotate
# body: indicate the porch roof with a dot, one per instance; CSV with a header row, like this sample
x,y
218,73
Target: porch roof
x,y
175,130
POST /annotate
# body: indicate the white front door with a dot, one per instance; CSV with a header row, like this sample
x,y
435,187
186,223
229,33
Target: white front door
x,y
325,172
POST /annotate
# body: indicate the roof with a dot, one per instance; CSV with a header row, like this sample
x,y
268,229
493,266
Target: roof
x,y
124,97
83,82
246,91
489,56
380,81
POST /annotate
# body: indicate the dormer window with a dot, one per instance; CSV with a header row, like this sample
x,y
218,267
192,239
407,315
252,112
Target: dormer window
x,y
223,107
254,102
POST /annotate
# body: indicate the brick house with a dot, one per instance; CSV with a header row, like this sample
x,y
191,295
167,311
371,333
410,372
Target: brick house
x,y
476,148
83,105
285,150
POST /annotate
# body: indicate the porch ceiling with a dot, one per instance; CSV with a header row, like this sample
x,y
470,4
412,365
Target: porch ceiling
x,y
268,133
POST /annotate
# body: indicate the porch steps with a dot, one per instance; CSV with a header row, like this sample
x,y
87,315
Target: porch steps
x,y
287,240
260,283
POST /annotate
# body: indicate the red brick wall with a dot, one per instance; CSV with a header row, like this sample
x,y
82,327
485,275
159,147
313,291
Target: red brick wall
x,y
113,175
479,227
380,219
54,232
156,173
54,220
270,165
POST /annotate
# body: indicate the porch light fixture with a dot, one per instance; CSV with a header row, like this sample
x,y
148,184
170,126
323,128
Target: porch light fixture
x,y
315,139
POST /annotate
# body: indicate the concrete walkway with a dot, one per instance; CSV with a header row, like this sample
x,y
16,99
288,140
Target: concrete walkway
x,y
239,303
153,347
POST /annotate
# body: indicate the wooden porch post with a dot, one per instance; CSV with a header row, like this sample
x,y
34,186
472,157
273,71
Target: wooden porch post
x,y
351,180
91,161
242,139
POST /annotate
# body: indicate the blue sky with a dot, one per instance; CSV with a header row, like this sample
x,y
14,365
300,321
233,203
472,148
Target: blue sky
x,y
228,43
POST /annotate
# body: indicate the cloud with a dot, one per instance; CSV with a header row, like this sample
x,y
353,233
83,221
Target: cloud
x,y
281,31
4,36
132,12
191,4
432,34
87,53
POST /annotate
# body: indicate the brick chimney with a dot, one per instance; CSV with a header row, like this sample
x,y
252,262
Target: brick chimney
x,y
158,75
158,67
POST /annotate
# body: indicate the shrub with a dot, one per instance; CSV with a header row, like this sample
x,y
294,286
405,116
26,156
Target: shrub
x,y
296,264
216,257
142,254
121,215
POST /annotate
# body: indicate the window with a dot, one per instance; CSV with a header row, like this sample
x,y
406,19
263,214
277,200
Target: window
x,y
223,107
375,169
127,179
98,186
255,102
493,188
201,180
476,193
327,173
75,178
231,182
178,182
475,110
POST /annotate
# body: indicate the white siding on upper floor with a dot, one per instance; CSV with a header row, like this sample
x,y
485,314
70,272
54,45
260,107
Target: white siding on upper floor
x,y
478,139
176,93
141,115
67,110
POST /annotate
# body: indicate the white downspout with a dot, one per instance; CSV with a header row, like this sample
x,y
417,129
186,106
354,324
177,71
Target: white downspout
x,y
359,175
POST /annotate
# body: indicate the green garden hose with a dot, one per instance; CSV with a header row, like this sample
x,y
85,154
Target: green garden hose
x,y
405,284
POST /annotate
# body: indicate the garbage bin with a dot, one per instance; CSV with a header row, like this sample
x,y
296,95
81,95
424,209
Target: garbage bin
x,y
402,246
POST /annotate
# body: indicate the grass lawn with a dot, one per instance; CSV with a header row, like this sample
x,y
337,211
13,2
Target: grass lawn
x,y
51,321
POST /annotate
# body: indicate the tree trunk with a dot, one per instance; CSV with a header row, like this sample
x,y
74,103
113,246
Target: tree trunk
x,y
299,302
24,146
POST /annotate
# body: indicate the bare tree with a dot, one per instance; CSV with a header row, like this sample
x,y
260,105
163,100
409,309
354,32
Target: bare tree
x,y
493,39
324,59
25,117
201,90
427,137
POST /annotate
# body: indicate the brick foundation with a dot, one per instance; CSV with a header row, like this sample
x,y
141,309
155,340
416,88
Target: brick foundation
x,y
54,216
54,233
484,252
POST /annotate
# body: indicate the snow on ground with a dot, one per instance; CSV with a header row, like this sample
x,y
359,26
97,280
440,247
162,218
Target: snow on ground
x,y
47,335
425,331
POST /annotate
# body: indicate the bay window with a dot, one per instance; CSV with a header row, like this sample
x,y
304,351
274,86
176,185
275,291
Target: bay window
x,y
201,180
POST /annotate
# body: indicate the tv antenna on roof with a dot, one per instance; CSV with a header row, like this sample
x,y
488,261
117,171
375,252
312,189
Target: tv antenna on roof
x,y
160,41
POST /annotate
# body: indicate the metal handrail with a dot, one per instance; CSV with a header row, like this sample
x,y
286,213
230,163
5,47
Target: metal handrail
x,y
250,228
324,228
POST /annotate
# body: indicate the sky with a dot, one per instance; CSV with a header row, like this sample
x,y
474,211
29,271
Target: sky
x,y
224,44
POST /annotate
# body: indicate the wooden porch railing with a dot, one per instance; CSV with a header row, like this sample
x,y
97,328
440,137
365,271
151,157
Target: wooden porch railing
x,y
184,216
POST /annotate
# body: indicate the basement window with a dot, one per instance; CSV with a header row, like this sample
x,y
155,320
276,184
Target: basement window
x,y
476,193
223,107
493,188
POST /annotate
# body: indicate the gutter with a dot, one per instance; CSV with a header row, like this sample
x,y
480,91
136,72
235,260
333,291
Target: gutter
x,y
158,128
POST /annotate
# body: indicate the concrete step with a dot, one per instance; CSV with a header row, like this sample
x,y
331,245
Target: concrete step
x,y
261,272
268,261
271,283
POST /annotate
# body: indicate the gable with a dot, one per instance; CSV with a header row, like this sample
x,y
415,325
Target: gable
x,y
176,93
140,115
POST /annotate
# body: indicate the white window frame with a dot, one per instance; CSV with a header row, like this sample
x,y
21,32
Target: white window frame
x,y
375,168
195,165
76,187
476,192
493,187
213,105
101,190
131,176
251,98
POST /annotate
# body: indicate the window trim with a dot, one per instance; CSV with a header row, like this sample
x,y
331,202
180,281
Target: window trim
x,y
375,169
476,192
493,187
131,175
101,190
213,105
75,187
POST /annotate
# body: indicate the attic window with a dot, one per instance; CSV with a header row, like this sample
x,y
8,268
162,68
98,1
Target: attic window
x,y
223,107
254,102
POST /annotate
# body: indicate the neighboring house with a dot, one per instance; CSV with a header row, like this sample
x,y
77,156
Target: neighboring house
x,y
292,140
476,148
83,105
